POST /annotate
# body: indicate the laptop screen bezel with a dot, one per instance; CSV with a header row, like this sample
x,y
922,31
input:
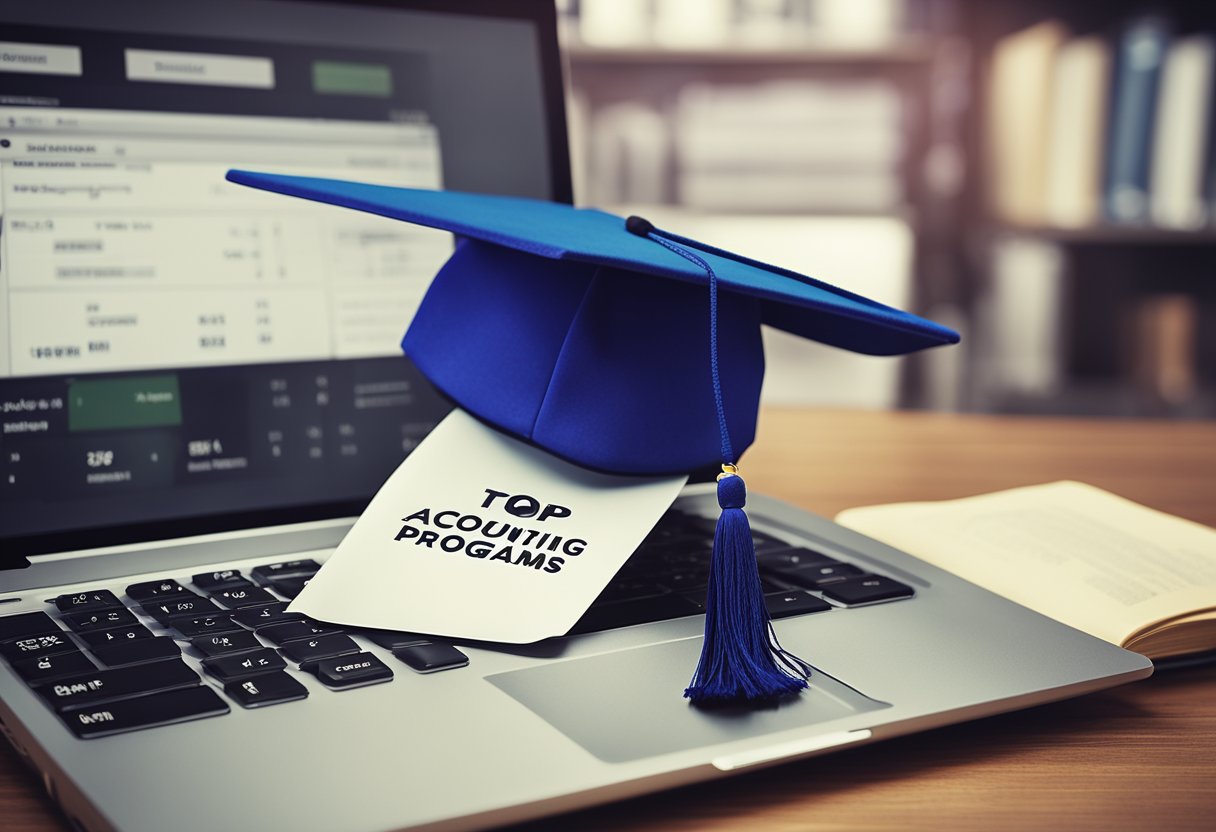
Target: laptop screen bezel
x,y
14,550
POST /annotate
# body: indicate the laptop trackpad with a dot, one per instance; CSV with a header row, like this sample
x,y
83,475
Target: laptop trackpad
x,y
628,705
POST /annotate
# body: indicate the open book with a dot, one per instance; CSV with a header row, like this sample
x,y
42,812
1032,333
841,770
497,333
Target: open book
x,y
1115,569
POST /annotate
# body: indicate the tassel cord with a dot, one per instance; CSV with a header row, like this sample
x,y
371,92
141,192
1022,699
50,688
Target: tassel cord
x,y
728,452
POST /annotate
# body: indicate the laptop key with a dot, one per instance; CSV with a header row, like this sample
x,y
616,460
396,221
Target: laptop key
x,y
625,589
768,585
267,689
86,601
794,602
243,596
820,574
392,639
685,581
307,651
786,559
254,617
243,583
145,712
186,604
307,566
866,590
764,543
289,587
285,631
97,686
353,671
696,547
26,624
84,622
44,668
431,657
119,635
155,590
217,622
221,579
140,651
47,644
240,665
222,643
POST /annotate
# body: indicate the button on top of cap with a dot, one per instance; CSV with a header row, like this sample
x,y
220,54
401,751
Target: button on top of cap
x,y
638,225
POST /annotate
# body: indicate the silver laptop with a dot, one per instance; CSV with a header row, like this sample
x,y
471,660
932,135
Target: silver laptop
x,y
200,387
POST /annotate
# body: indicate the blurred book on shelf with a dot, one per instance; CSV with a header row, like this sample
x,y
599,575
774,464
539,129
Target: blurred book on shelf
x,y
1018,128
1077,124
627,154
1162,348
809,146
611,22
1021,315
1183,164
700,24
1139,54
693,23
773,146
1108,128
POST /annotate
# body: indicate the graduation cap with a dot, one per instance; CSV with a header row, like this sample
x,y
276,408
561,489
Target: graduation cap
x,y
626,349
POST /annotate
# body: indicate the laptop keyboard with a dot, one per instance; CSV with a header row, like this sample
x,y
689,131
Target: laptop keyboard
x,y
108,665
667,578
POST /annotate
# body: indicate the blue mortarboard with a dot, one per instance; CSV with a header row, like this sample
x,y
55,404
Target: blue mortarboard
x,y
548,323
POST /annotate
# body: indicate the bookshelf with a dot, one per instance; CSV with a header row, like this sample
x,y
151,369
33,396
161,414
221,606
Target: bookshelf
x,y
1058,308
1126,303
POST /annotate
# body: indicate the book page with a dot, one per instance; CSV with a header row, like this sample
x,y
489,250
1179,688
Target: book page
x,y
1076,553
1177,637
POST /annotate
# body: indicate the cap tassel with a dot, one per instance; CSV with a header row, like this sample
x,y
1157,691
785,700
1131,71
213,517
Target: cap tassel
x,y
741,659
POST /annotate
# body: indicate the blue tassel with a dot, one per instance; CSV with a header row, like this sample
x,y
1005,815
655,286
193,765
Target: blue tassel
x,y
741,660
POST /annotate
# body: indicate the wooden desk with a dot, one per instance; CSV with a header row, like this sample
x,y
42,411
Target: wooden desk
x,y
1141,756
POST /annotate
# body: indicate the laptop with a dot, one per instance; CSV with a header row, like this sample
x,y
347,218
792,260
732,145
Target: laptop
x,y
200,388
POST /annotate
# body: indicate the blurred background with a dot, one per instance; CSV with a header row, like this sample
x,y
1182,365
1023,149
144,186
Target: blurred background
x,y
1039,176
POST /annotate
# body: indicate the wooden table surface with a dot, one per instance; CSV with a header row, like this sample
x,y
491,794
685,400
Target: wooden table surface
x,y
1142,756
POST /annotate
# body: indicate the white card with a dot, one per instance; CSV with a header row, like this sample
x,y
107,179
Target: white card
x,y
478,535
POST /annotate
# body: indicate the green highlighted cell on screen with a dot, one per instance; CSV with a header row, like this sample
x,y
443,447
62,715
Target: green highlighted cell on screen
x,y
341,78
137,402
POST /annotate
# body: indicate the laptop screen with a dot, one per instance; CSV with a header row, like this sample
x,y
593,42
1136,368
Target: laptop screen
x,y
180,355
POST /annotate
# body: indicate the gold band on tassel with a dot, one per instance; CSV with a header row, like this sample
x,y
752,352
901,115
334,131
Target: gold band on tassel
x,y
728,470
